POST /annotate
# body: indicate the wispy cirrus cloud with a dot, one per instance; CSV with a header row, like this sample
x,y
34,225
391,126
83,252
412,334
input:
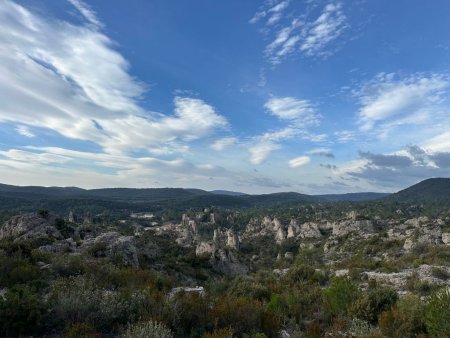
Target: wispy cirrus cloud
x,y
87,12
69,78
390,99
293,110
299,161
298,115
24,131
325,152
301,33
325,29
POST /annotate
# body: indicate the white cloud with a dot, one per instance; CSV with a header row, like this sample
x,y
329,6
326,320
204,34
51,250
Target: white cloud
x,y
290,108
223,143
304,36
438,143
344,136
259,152
326,28
326,152
395,101
274,12
299,161
87,12
69,79
398,169
24,131
299,116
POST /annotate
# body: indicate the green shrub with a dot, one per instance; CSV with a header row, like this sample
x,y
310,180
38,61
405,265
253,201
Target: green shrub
x,y
148,329
21,312
437,314
372,303
340,295
404,319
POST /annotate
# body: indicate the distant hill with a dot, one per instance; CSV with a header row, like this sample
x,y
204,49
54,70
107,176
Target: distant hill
x,y
354,197
118,194
227,192
432,189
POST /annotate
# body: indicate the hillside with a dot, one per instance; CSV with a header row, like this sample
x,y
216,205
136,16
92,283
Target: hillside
x,y
433,189
353,197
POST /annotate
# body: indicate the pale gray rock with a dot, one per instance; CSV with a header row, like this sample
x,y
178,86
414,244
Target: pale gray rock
x,y
446,238
289,256
205,248
65,246
232,239
280,235
310,230
30,227
113,245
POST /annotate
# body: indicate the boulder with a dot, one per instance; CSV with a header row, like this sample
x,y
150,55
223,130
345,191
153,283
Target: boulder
x,y
30,227
113,245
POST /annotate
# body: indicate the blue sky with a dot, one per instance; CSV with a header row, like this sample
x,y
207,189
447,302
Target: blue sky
x,y
255,96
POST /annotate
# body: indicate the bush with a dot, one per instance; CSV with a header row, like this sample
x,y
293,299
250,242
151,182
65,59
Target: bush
x,y
404,319
437,314
371,304
244,316
340,295
20,312
148,329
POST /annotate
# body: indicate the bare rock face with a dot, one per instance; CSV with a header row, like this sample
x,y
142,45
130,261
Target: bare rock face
x,y
280,235
446,238
310,230
222,259
417,222
30,226
225,261
205,248
276,224
113,245
293,229
398,280
65,246
185,237
344,227
232,239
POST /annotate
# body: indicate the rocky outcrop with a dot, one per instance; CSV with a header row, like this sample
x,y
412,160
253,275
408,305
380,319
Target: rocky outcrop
x,y
113,246
398,280
343,228
65,246
222,259
310,230
205,248
280,235
418,231
232,239
446,238
227,262
30,227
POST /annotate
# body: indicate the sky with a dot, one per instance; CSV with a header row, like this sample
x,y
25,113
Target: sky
x,y
254,96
